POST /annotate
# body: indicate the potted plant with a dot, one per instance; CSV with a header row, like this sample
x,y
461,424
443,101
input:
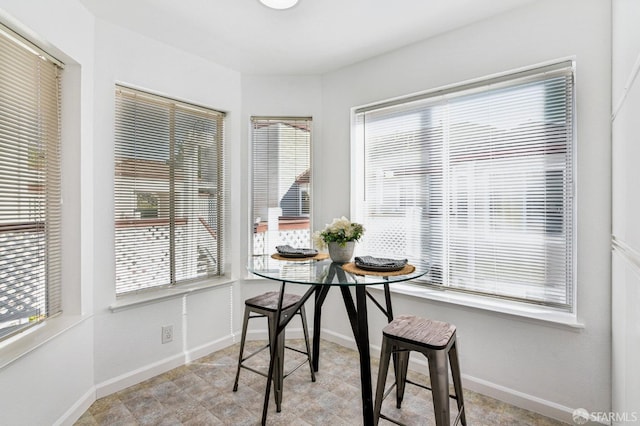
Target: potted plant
x,y
340,236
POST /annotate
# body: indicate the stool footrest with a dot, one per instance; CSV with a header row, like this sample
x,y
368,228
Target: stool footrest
x,y
262,373
300,351
436,340
389,419
285,375
420,385
278,308
254,353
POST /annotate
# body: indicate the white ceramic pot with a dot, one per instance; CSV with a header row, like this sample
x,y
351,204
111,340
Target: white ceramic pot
x,y
341,254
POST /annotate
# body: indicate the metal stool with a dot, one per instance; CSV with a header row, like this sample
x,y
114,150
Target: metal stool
x,y
437,341
266,305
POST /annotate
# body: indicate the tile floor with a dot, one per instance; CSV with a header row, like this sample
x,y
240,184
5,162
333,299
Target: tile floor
x,y
200,393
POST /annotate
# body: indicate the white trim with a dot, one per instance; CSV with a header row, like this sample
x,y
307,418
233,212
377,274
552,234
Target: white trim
x,y
159,367
490,303
627,87
493,390
134,300
77,409
457,86
519,399
522,310
18,345
628,254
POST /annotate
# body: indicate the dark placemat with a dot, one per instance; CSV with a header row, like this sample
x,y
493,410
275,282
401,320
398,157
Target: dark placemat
x,y
351,267
319,256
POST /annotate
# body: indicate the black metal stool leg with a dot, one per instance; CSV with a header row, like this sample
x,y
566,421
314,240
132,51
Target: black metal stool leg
x,y
457,381
273,354
402,365
305,330
383,369
279,308
439,376
436,340
279,371
245,324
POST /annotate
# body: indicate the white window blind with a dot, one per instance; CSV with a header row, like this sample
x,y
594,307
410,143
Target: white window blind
x,y
169,191
30,194
478,180
281,182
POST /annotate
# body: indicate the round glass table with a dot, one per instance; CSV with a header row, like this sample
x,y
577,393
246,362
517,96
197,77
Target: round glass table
x,y
320,276
325,272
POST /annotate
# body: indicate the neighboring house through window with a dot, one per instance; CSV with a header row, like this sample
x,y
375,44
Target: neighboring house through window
x,y
478,181
30,185
281,182
169,191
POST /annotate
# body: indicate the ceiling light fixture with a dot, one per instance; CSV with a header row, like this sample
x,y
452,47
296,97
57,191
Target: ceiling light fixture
x,y
279,4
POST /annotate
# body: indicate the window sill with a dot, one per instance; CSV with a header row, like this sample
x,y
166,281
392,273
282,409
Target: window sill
x,y
29,340
134,300
531,312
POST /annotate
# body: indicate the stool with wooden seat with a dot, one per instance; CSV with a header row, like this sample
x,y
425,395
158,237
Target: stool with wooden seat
x,y
437,341
266,305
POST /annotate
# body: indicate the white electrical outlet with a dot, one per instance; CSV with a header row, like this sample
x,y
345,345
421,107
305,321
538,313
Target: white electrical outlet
x,y
167,334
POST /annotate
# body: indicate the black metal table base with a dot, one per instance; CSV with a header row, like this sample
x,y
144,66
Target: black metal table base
x,y
357,313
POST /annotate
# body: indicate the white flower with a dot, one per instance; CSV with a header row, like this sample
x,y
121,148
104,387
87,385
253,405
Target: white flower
x,y
340,230
318,241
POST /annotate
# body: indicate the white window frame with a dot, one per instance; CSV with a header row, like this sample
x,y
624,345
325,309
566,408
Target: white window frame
x,y
184,204
278,221
566,314
31,223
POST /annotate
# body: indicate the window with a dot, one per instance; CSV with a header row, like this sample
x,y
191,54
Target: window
x,y
169,191
30,195
281,195
478,180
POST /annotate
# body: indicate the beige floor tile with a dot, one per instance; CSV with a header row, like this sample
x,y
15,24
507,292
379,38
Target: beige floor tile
x,y
201,394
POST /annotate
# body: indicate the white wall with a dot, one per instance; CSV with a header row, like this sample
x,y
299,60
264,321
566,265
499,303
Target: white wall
x,y
91,351
549,368
626,209
277,96
61,351
280,96
127,342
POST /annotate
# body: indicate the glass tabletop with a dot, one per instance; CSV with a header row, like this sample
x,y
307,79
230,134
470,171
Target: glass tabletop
x,y
326,272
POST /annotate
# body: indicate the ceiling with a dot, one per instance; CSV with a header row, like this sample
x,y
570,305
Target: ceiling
x,y
313,37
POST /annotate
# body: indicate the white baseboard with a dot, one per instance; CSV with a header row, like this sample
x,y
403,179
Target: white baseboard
x,y
77,410
519,399
148,371
501,393
206,349
510,396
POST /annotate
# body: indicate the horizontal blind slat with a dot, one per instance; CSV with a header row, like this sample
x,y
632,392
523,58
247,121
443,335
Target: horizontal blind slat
x,y
281,182
169,191
478,181
30,208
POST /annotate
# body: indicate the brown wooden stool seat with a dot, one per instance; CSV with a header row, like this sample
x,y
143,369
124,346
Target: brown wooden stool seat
x,y
437,341
266,305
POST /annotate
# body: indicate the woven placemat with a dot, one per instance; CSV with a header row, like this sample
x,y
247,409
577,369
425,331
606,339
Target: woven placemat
x,y
351,267
319,256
